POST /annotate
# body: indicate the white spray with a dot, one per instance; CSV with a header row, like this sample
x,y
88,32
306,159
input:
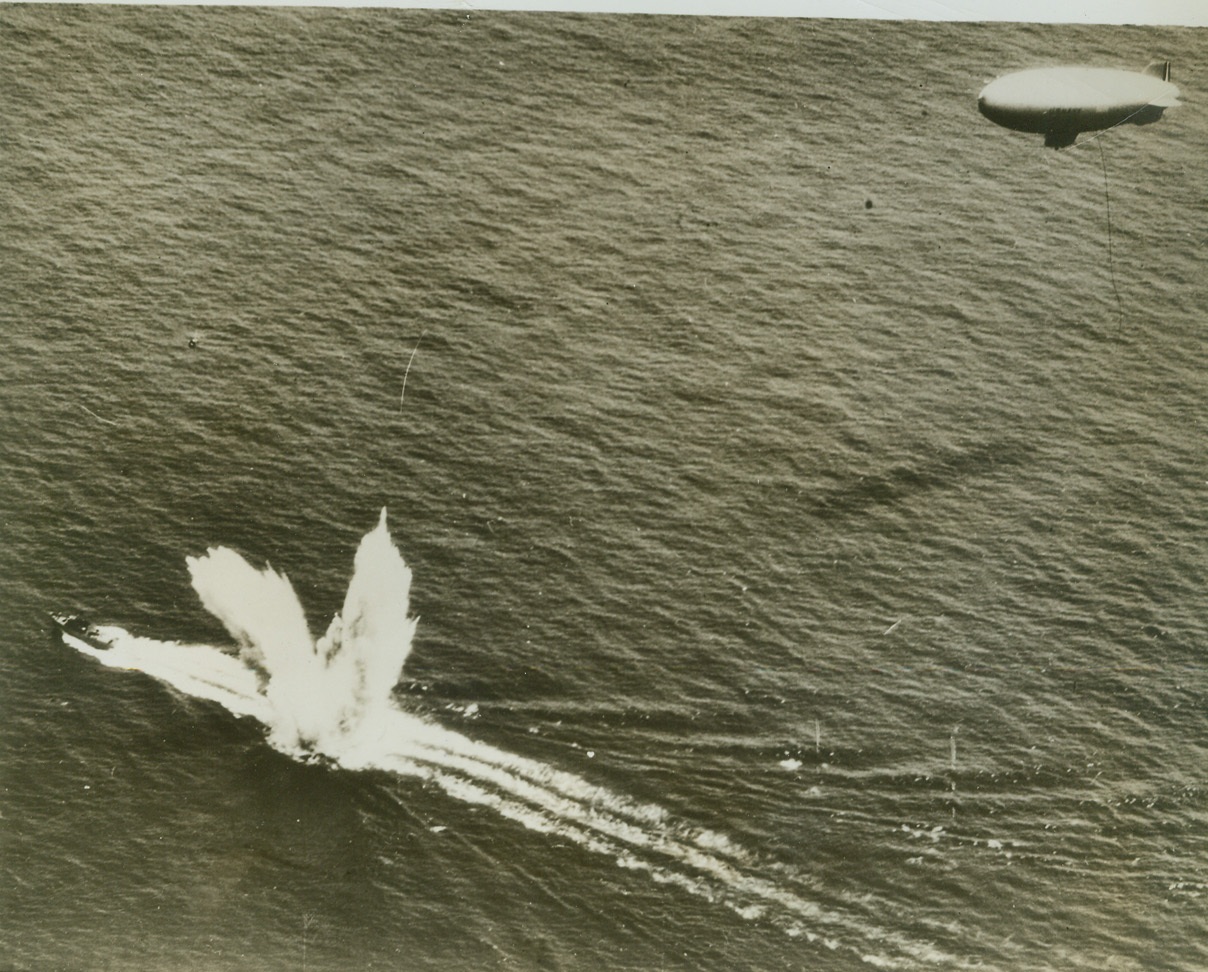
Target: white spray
x,y
323,694
334,697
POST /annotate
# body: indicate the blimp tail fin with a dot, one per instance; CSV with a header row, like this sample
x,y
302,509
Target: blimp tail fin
x,y
1159,69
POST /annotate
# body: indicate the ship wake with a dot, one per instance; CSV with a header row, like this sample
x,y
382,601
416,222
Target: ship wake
x,y
333,698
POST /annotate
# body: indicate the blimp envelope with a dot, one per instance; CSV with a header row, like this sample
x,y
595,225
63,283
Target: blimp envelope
x,y
1061,102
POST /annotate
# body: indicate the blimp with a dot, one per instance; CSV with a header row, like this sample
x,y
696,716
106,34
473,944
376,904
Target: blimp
x,y
1062,102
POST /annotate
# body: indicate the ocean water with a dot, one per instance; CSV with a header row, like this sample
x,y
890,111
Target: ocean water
x,y
803,482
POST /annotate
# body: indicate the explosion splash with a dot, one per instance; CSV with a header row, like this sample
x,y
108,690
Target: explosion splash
x,y
322,693
333,697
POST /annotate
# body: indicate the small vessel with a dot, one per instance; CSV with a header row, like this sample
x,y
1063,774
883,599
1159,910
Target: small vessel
x,y
77,631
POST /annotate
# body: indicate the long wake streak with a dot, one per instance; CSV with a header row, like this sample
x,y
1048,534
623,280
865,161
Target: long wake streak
x,y
334,698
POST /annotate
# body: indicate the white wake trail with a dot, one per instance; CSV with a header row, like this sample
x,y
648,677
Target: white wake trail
x,y
333,698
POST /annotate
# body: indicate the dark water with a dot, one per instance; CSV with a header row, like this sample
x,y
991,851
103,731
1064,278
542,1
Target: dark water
x,y
769,405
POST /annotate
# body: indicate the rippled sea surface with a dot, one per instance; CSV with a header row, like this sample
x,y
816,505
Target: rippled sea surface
x,y
774,440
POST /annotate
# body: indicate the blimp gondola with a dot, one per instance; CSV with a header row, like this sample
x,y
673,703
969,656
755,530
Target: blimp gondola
x,y
1062,102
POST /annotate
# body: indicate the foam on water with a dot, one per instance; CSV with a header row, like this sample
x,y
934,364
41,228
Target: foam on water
x,y
333,698
197,670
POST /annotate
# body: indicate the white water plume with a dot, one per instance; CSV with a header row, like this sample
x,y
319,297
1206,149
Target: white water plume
x,y
334,697
322,693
